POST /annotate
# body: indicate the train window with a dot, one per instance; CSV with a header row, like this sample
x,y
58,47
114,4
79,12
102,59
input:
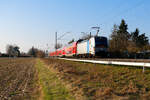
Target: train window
x,y
101,41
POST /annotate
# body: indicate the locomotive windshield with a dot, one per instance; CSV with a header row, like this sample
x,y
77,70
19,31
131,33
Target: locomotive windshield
x,y
101,41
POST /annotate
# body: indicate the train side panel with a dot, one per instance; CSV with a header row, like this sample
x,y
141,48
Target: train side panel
x,y
82,47
92,46
87,47
71,50
95,46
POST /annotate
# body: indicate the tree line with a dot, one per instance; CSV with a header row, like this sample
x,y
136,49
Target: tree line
x,y
14,51
127,44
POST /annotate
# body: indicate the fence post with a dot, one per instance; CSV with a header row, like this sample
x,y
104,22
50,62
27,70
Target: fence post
x,y
143,69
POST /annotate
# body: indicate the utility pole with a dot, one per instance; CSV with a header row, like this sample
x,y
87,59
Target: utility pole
x,y
90,34
47,50
58,38
56,41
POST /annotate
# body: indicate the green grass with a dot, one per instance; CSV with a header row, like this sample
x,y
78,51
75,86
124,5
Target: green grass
x,y
52,87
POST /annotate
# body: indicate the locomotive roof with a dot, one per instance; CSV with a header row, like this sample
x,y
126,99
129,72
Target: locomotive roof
x,y
81,40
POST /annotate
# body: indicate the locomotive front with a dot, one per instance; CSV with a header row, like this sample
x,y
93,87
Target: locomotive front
x,y
101,46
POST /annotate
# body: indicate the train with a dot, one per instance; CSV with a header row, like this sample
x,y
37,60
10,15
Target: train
x,y
91,47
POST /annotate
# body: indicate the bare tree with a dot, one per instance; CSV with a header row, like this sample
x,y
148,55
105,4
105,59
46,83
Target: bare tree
x,y
119,38
41,54
12,50
33,52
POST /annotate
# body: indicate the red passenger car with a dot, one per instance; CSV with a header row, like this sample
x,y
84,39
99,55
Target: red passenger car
x,y
70,50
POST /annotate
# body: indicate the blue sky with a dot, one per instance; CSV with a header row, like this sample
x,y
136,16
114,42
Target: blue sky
x,y
28,23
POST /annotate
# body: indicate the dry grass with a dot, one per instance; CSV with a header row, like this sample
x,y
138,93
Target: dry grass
x,y
100,82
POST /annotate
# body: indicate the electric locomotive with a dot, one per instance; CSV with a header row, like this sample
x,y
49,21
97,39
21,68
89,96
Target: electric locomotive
x,y
91,47
94,46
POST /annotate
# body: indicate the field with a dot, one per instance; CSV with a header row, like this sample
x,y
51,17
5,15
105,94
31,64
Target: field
x,y
16,79
52,79
29,79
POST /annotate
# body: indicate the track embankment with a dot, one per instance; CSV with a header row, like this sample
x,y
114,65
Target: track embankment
x,y
101,82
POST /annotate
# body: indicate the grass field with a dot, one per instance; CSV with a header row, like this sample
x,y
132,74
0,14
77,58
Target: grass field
x,y
52,79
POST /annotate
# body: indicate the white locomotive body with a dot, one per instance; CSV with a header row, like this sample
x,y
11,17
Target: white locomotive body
x,y
94,46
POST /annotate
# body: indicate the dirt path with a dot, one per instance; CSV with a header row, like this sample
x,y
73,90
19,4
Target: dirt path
x,y
51,87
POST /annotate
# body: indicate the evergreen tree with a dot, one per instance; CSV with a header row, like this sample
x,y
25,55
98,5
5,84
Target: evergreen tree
x,y
135,35
140,40
123,36
119,38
